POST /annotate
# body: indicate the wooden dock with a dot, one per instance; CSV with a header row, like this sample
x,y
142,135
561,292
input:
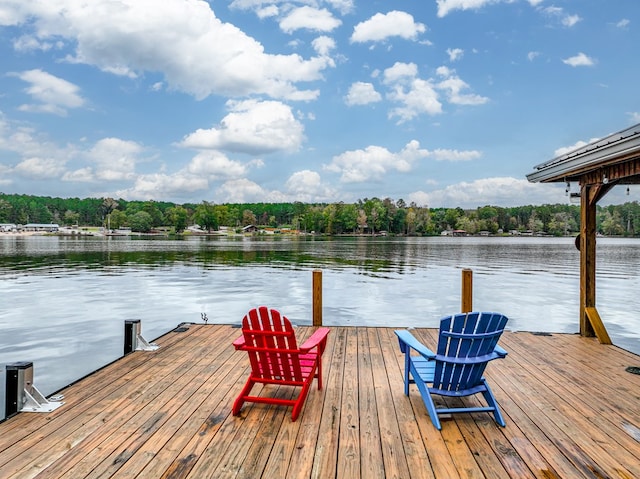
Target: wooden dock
x,y
572,411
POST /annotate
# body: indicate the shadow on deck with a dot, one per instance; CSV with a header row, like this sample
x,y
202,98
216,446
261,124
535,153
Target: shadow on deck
x,y
572,411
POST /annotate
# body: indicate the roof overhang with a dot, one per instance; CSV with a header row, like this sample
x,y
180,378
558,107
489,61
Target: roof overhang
x,y
614,149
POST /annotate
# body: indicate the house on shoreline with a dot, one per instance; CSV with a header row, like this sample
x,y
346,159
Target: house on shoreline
x,y
44,227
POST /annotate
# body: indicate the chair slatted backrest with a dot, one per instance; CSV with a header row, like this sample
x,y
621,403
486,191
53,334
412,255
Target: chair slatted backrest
x,y
271,344
465,343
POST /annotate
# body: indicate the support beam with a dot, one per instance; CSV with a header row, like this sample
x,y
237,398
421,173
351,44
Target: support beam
x,y
587,258
597,325
589,197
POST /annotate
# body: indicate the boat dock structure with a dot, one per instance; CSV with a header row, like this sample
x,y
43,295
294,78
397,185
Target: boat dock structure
x,y
571,406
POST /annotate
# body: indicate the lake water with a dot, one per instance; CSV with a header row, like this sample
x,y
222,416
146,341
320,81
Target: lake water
x,y
64,300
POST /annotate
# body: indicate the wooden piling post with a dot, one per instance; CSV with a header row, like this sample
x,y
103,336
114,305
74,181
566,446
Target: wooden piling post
x,y
467,290
317,297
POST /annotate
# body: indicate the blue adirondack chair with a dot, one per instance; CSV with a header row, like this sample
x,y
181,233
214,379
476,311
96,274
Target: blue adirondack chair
x,y
466,343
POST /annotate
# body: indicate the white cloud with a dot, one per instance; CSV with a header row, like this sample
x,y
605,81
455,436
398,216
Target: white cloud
x,y
52,94
29,43
455,54
454,86
183,40
447,6
40,168
115,159
27,143
634,116
307,186
414,95
269,11
579,60
624,23
82,175
13,12
252,126
558,13
343,6
400,72
374,162
532,56
309,18
383,26
361,93
440,154
246,191
213,165
498,191
418,97
159,186
570,20
323,45
5,171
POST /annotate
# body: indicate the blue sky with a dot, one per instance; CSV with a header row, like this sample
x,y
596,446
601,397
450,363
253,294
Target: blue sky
x,y
442,102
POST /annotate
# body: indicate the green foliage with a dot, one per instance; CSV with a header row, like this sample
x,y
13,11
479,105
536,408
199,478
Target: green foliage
x,y
367,216
118,219
141,222
205,216
178,217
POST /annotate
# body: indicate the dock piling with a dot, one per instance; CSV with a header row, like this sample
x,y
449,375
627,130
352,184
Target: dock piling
x,y
467,291
21,394
317,297
133,340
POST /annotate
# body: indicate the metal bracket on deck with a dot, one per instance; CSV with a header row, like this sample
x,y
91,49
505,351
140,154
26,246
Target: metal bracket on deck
x,y
144,345
133,340
34,401
21,393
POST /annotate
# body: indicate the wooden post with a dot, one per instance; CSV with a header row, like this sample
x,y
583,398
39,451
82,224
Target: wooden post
x,y
467,290
587,257
317,297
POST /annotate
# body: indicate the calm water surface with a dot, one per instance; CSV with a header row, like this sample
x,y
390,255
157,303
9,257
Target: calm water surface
x,y
63,300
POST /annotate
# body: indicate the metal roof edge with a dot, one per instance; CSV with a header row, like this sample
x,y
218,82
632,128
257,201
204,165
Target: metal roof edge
x,y
624,141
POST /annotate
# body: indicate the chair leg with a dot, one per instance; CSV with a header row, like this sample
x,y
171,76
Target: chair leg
x,y
319,372
406,373
491,401
426,398
237,405
297,407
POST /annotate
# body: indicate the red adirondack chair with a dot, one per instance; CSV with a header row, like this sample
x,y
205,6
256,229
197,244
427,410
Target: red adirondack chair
x,y
269,339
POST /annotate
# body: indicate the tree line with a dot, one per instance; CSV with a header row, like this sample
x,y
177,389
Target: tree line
x,y
366,216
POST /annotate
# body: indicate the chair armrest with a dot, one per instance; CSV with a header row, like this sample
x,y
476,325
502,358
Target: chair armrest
x,y
499,351
239,343
408,339
317,338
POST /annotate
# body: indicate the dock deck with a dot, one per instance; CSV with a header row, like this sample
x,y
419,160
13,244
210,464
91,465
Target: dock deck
x,y
572,411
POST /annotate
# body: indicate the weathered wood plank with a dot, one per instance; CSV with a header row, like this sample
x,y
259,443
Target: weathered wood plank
x,y
164,446
442,463
370,449
326,454
394,457
571,411
415,449
301,456
348,439
70,437
137,420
